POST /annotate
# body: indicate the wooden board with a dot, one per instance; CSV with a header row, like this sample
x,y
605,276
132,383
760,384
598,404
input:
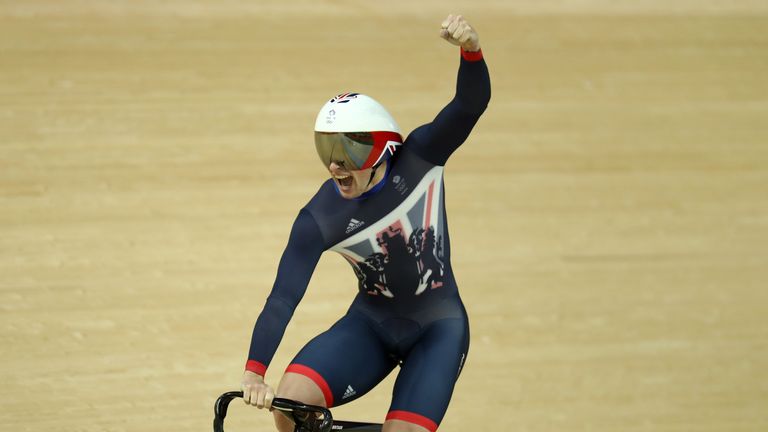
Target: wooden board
x,y
609,215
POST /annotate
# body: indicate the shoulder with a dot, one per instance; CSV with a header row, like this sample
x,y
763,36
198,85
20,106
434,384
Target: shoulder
x,y
417,135
418,146
327,203
325,194
307,227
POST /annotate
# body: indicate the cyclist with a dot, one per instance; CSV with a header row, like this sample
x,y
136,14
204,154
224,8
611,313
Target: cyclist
x,y
383,210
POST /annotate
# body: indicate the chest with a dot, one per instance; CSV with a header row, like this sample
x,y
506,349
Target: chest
x,y
410,200
398,225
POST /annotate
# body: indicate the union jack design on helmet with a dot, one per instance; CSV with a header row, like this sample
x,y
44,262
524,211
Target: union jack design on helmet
x,y
344,97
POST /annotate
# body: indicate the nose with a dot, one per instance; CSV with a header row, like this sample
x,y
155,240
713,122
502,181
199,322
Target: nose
x,y
336,165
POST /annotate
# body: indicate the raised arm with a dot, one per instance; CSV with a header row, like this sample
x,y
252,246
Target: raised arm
x,y
305,245
437,140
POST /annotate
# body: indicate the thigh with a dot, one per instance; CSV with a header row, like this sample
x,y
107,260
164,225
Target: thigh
x,y
428,374
345,362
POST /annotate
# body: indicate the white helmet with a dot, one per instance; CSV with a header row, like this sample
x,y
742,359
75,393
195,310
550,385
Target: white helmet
x,y
355,131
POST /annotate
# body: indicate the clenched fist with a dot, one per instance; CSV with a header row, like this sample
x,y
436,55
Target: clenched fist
x,y
456,30
255,391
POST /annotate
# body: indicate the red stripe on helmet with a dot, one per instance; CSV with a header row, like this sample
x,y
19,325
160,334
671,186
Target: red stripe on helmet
x,y
380,140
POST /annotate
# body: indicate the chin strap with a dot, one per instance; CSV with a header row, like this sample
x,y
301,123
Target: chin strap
x,y
373,173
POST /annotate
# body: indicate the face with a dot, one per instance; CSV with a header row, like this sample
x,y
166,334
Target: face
x,y
353,183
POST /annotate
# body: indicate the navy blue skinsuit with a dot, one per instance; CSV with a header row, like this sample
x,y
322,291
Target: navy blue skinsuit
x,y
407,311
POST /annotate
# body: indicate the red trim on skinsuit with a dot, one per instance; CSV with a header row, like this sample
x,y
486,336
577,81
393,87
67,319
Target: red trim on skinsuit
x,y
429,205
414,418
472,55
256,367
316,377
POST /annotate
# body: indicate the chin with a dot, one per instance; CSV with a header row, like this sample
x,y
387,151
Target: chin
x,y
350,195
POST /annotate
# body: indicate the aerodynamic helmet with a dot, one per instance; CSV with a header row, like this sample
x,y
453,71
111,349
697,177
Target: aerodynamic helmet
x,y
356,132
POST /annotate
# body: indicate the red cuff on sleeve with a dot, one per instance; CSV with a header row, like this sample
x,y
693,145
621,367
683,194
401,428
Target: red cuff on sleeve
x,y
256,367
472,55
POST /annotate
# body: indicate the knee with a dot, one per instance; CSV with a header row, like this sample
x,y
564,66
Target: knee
x,y
283,423
300,388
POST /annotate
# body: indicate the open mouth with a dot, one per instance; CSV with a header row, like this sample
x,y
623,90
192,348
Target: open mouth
x,y
344,181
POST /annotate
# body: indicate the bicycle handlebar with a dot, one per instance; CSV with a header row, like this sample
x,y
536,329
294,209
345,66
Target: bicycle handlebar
x,y
304,416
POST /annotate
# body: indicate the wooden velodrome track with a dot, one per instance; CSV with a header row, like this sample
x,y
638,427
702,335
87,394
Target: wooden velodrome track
x,y
609,215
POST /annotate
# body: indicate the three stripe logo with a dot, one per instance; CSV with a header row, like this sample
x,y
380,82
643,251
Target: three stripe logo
x,y
349,392
353,225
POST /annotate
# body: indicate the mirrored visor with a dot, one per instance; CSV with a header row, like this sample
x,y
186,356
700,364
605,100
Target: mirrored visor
x,y
351,150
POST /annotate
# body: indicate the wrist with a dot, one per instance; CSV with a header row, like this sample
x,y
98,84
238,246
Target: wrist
x,y
471,46
252,376
256,367
472,55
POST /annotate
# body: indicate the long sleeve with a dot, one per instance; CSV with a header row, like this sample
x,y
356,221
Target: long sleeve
x,y
436,141
297,264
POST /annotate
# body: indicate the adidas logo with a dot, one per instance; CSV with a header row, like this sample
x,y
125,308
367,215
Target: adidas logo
x,y
349,393
353,225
